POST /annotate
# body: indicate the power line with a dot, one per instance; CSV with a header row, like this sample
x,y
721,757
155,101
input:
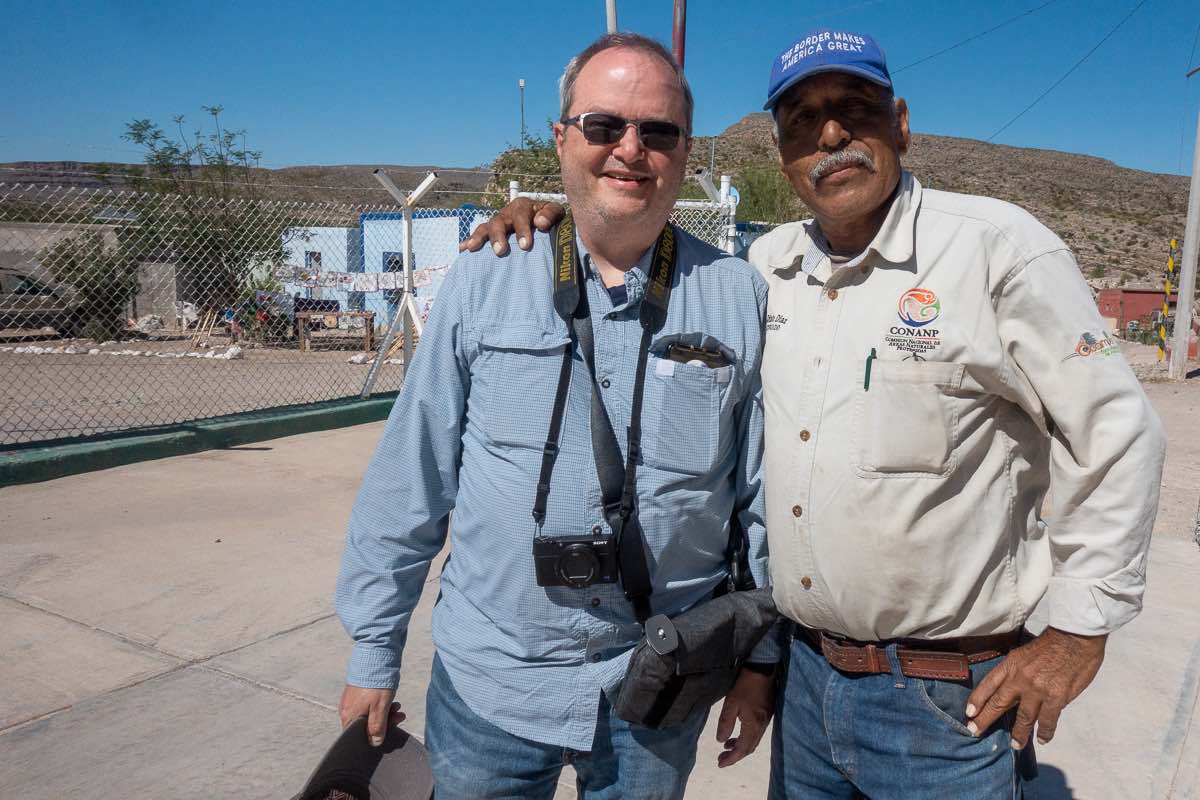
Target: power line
x,y
824,16
1067,74
1183,109
972,38
1192,54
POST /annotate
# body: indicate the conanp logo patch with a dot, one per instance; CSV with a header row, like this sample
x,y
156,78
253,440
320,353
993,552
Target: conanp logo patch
x,y
916,338
919,307
1093,344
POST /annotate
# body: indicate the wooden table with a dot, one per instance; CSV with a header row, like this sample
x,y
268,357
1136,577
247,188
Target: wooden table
x,y
304,319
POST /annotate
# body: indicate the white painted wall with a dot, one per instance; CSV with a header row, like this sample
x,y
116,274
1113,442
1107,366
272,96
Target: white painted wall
x,y
340,249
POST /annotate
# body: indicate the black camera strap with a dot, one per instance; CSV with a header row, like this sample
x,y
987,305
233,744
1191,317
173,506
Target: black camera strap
x,y
618,484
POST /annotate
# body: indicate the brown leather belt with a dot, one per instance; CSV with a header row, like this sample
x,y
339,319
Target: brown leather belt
x,y
936,659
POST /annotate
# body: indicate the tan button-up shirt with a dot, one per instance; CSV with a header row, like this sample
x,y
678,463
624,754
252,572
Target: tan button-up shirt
x,y
921,401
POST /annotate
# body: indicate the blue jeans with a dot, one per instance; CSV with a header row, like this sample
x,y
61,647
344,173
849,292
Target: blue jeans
x,y
841,736
473,759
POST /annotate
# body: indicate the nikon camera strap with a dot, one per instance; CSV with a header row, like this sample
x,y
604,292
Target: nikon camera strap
x,y
618,485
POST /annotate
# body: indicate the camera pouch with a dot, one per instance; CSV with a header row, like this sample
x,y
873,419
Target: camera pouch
x,y
687,663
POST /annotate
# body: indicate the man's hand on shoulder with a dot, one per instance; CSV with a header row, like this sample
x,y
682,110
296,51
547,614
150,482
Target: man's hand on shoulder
x,y
374,704
1039,679
752,702
520,216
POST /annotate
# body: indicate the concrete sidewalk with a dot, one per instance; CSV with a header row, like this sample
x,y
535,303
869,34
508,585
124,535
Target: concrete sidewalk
x,y
168,632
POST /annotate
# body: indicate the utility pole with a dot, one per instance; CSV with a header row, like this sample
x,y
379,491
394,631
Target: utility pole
x,y
610,8
1177,369
1168,289
679,31
521,85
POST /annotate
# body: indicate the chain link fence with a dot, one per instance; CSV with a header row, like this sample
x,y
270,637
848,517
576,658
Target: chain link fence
x,y
122,310
134,310
712,222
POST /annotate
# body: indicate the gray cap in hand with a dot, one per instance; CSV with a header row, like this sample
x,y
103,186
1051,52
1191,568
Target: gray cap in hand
x,y
354,770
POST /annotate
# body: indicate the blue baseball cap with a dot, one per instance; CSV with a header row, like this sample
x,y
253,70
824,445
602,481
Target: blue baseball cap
x,y
827,50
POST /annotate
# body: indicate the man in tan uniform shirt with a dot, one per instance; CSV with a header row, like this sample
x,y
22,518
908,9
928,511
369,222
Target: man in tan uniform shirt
x,y
935,369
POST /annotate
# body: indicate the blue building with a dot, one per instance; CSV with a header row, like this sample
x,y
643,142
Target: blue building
x,y
345,264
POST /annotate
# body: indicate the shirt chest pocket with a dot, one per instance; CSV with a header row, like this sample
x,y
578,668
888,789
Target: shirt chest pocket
x,y
682,413
906,422
514,378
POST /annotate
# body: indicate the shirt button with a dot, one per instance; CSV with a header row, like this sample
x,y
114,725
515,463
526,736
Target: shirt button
x,y
595,602
833,294
605,383
797,511
595,658
805,436
806,582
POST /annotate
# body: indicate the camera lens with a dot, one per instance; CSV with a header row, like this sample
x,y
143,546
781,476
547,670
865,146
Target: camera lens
x,y
577,566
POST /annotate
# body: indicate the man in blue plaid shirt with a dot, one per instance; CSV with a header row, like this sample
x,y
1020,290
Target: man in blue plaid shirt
x,y
524,673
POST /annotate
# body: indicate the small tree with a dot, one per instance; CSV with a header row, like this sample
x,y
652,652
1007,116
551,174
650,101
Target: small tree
x,y
202,209
207,165
535,166
767,196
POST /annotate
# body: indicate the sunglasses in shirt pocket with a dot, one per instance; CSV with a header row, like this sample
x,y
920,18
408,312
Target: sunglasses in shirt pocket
x,y
906,419
687,408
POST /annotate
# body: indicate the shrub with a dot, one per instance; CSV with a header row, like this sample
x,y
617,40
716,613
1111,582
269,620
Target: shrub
x,y
767,196
104,281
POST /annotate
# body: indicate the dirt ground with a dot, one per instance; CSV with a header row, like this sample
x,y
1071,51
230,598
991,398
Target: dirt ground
x,y
51,395
1178,406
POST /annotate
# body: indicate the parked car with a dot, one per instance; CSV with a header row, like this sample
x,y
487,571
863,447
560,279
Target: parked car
x,y
31,298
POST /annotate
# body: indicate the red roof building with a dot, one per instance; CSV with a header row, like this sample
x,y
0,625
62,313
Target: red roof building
x,y
1140,306
1126,304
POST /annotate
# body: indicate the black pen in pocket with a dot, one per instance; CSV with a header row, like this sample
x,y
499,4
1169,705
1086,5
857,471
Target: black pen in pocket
x,y
867,375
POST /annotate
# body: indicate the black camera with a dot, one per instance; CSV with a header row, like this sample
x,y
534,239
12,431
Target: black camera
x,y
575,561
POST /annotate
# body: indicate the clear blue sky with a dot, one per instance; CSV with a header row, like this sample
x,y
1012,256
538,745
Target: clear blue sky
x,y
436,82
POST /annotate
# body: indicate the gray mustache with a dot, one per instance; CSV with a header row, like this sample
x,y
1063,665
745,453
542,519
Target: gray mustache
x,y
840,158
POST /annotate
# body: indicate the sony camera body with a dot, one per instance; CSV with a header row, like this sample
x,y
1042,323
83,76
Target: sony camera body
x,y
575,561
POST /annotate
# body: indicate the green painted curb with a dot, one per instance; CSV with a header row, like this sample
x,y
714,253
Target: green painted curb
x,y
38,462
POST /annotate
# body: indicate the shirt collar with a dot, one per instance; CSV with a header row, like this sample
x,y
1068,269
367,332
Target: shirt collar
x,y
893,242
635,277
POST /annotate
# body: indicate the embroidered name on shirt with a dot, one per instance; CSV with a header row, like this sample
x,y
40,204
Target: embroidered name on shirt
x,y
776,321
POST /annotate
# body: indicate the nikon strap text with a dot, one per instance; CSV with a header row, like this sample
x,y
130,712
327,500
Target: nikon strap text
x,y
618,485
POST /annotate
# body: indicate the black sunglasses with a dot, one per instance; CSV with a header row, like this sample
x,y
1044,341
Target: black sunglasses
x,y
601,128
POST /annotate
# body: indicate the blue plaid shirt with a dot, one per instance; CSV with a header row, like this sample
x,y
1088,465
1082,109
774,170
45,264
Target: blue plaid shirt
x,y
463,447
